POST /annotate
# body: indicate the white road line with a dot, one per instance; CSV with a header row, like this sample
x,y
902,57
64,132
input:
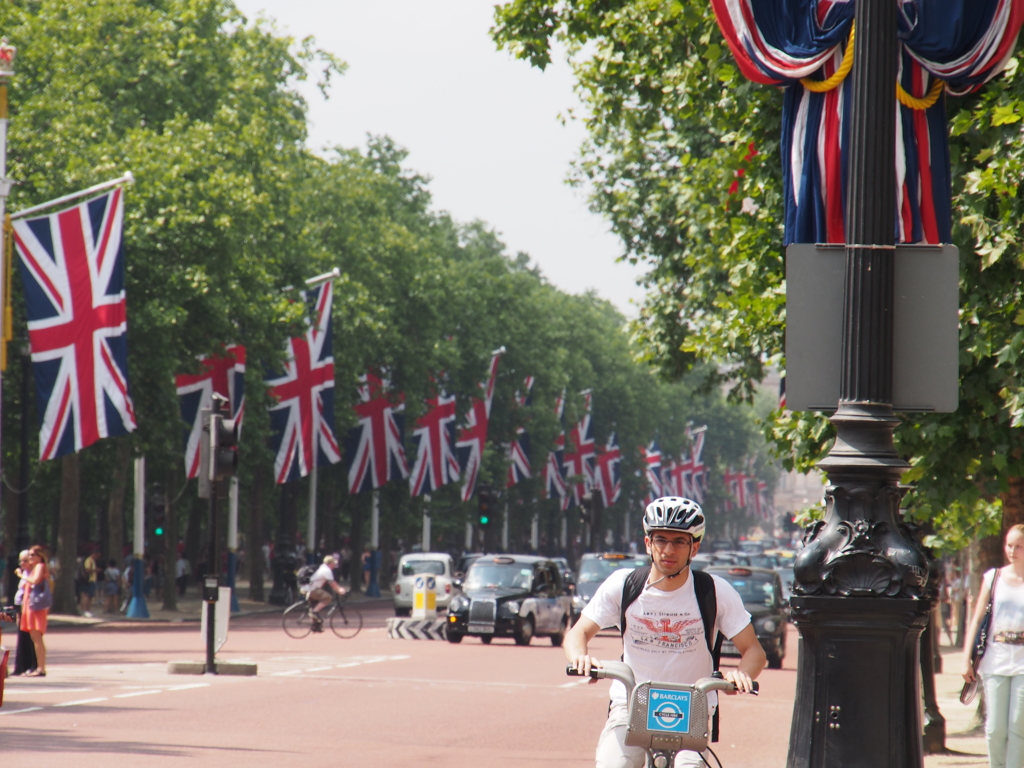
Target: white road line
x,y
80,701
317,669
187,687
574,683
135,693
18,691
289,672
19,711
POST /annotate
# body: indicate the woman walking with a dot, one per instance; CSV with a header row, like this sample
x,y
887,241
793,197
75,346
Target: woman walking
x,y
35,606
1002,666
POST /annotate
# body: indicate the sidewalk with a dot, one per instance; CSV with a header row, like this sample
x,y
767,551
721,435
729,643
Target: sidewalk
x,y
965,737
189,609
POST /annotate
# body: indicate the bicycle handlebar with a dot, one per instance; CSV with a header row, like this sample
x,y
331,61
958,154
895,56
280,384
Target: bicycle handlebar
x,y
617,670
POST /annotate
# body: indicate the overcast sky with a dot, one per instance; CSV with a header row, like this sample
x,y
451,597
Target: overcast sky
x,y
483,126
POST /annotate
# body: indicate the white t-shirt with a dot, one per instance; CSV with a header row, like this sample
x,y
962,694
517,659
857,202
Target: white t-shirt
x,y
1007,616
321,576
664,640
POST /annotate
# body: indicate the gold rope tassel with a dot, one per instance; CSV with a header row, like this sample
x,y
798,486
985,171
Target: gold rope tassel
x,y
824,86
911,102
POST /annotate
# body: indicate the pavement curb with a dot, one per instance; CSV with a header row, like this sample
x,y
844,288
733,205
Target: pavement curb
x,y
242,669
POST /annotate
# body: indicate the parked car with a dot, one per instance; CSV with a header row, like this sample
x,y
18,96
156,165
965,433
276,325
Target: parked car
x,y
518,596
761,591
438,564
594,569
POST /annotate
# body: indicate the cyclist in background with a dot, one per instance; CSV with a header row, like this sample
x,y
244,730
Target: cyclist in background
x,y
318,597
664,638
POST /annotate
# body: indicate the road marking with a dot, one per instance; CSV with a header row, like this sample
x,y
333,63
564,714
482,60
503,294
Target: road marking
x,y
19,691
318,669
19,711
186,687
574,683
289,672
135,693
76,703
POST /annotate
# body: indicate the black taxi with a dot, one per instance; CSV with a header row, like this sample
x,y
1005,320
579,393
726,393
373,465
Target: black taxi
x,y
517,596
761,592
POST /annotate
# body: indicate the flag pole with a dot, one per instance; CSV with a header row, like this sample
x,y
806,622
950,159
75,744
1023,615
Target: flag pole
x,y
127,178
315,282
7,54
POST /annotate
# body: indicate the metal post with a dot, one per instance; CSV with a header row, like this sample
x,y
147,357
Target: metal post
x,y
373,590
7,54
535,533
311,522
233,542
469,536
211,580
504,530
425,544
137,606
861,583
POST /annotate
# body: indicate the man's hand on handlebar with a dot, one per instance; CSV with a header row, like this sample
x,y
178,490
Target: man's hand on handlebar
x,y
742,681
583,664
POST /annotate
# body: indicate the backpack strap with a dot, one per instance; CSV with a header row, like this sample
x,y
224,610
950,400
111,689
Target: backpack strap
x,y
631,590
707,599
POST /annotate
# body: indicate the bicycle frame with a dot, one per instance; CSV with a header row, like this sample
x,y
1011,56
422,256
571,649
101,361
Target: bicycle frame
x,y
664,718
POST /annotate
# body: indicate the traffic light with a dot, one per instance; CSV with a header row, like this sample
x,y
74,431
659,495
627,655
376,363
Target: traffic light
x,y
158,524
224,447
488,507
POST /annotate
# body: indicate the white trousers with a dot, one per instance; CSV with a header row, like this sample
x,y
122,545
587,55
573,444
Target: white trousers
x,y
612,751
1004,720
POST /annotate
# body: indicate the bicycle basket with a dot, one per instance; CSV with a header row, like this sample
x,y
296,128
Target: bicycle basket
x,y
668,717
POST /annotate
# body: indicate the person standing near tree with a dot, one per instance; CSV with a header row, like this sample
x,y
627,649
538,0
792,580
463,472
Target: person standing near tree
x,y
34,609
1002,665
92,566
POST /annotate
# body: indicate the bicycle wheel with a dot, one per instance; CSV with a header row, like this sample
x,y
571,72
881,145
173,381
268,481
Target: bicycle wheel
x,y
346,621
296,620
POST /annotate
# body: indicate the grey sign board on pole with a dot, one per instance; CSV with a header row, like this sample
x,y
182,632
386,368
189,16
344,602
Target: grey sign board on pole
x,y
925,336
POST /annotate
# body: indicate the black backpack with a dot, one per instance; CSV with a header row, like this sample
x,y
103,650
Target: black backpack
x,y
305,574
707,600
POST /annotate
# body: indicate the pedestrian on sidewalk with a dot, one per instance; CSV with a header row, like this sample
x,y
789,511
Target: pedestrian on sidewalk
x,y
1002,666
25,652
181,571
92,566
111,586
35,604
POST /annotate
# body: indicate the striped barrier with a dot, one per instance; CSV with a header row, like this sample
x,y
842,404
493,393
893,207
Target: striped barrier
x,y
416,629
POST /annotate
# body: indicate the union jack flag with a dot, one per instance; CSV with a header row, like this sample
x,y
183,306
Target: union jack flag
x,y
434,436
72,269
793,42
519,450
736,484
607,474
652,471
695,469
762,504
374,448
580,462
473,436
669,477
554,477
302,422
223,374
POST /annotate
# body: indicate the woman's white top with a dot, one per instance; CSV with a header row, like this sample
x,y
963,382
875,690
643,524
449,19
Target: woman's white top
x,y
1007,616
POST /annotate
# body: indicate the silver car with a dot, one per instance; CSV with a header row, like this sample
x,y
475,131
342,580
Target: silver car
x,y
437,564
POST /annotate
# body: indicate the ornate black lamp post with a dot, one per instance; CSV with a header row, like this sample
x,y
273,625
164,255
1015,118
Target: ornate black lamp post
x,y
861,582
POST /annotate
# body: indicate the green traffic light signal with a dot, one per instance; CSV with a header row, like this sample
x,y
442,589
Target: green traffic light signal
x,y
484,519
159,531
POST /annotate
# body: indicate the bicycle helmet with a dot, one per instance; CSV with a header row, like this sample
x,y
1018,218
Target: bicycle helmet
x,y
674,513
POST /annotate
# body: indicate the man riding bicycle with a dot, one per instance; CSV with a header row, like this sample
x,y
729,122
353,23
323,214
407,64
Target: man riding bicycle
x,y
664,636
318,597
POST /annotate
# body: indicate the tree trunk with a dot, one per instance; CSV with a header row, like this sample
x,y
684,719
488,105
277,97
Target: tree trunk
x,y
254,549
67,537
115,507
356,543
170,544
